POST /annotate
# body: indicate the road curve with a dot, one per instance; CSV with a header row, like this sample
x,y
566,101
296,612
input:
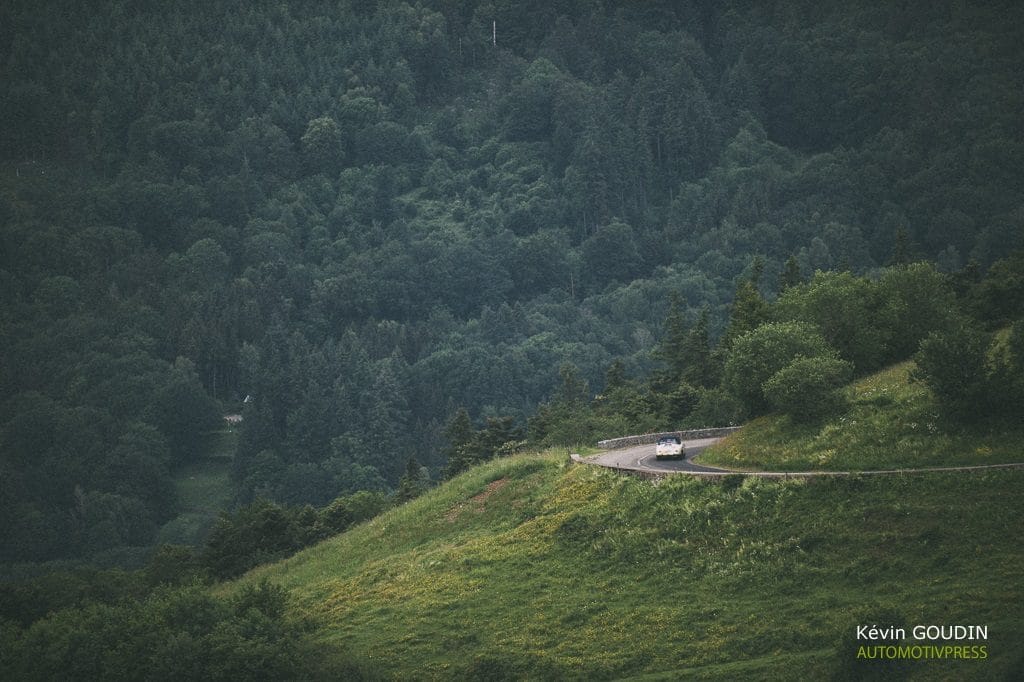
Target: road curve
x,y
641,458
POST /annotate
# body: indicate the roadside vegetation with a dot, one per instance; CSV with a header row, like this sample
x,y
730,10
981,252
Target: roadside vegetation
x,y
888,421
524,568
942,355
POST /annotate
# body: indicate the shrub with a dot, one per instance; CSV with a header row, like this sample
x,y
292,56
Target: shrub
x,y
952,364
807,389
172,565
757,355
261,532
348,510
842,309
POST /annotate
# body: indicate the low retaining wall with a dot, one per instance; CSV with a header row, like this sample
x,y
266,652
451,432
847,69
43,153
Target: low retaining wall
x,y
693,434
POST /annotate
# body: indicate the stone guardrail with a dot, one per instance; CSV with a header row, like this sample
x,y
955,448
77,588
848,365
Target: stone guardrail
x,y
644,439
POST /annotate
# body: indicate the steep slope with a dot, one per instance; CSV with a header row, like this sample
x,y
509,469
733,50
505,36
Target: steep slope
x,y
530,567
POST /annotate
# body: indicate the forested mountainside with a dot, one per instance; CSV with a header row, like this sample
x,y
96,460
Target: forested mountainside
x,y
364,216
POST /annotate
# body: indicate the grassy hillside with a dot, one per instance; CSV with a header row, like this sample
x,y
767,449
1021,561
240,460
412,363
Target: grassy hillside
x,y
890,422
531,568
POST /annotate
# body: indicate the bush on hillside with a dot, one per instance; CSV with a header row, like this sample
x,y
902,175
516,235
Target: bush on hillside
x,y
808,389
261,532
952,364
759,354
348,510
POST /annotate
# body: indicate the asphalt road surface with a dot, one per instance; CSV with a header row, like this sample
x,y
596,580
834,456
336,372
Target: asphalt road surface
x,y
641,458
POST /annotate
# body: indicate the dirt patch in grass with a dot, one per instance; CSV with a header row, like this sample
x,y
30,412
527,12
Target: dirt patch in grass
x,y
478,502
491,488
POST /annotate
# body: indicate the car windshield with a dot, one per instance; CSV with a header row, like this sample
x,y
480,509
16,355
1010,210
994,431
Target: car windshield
x,y
666,441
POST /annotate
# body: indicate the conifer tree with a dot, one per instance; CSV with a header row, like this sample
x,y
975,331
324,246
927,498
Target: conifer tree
x,y
698,368
460,435
672,349
413,482
790,276
615,376
749,309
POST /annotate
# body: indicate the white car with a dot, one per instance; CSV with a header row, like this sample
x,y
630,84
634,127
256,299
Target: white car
x,y
669,447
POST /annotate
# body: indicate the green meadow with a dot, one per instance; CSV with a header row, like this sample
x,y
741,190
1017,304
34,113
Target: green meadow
x,y
532,568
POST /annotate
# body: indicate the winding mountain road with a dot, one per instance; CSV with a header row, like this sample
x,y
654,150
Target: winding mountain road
x,y
641,458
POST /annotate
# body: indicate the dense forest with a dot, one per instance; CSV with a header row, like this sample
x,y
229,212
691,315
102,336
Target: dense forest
x,y
392,235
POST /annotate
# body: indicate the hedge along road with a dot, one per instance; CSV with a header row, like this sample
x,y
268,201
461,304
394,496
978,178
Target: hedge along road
x,y
641,458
